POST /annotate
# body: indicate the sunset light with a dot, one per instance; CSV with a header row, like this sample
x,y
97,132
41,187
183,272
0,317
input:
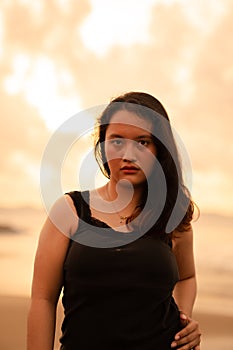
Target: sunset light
x,y
106,50
45,87
61,63
114,26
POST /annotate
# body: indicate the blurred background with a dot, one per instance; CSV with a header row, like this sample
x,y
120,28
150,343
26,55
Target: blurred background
x,y
60,57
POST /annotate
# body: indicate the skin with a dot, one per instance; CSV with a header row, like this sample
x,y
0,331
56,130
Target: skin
x,y
62,222
129,145
126,146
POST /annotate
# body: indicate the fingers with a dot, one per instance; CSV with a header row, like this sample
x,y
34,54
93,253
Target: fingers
x,y
190,344
189,337
191,326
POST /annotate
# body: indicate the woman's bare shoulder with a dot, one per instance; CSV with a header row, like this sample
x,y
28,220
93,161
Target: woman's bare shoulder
x,y
63,215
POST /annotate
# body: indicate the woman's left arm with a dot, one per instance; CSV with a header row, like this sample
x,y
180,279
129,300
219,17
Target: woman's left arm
x,y
185,291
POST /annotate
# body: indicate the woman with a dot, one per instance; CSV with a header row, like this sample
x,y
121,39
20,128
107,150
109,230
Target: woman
x,y
122,253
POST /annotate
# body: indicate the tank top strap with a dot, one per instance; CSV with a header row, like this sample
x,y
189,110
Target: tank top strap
x,y
81,203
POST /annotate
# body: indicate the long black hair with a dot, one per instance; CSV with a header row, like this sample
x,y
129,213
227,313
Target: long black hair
x,y
177,194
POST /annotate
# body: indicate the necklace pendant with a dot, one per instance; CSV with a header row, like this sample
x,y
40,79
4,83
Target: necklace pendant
x,y
123,219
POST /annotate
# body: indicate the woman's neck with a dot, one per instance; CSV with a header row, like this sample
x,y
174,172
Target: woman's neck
x,y
124,194
115,204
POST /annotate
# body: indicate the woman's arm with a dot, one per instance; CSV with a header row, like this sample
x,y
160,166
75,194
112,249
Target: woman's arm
x,y
185,291
48,274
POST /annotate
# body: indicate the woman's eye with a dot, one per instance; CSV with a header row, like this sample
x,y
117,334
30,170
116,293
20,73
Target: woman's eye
x,y
143,142
116,142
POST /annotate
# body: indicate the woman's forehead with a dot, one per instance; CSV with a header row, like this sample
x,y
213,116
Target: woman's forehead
x,y
130,120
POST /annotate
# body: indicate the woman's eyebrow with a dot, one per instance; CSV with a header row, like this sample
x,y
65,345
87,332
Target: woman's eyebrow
x,y
144,137
117,136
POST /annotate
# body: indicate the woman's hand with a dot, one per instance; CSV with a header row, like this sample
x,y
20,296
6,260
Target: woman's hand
x,y
189,337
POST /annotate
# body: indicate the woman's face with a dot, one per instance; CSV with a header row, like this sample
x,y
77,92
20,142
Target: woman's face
x,y
129,147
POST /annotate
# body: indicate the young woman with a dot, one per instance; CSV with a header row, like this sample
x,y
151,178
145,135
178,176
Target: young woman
x,y
122,253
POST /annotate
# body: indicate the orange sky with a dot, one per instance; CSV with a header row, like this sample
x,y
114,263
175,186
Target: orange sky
x,y
60,57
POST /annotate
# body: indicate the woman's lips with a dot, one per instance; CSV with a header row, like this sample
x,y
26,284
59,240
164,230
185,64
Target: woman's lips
x,y
129,169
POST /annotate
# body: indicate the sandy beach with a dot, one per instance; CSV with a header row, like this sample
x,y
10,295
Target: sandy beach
x,y
217,329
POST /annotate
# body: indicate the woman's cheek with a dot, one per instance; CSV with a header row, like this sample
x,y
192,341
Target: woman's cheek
x,y
113,155
147,162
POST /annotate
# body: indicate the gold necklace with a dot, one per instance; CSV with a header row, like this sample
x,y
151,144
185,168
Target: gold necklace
x,y
122,217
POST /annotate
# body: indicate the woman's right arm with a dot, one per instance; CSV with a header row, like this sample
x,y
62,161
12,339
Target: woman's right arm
x,y
48,274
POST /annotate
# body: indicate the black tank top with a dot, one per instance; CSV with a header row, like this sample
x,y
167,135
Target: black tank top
x,y
118,298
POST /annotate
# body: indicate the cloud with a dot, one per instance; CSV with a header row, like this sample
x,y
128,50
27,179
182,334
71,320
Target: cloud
x,y
113,25
48,31
49,28
186,62
210,110
23,135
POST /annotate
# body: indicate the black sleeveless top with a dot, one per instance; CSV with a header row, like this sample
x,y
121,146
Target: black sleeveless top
x,y
118,298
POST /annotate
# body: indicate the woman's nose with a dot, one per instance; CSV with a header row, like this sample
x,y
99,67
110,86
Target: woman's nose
x,y
129,152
